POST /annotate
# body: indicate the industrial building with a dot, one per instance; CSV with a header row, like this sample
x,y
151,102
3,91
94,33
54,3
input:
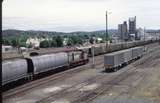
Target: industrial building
x,y
132,27
123,31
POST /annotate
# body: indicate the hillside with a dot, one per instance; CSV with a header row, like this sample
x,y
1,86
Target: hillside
x,y
13,32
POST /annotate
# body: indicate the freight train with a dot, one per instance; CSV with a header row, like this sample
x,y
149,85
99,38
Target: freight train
x,y
33,67
113,61
103,48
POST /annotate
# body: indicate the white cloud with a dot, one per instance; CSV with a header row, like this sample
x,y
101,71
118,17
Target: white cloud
x,y
60,14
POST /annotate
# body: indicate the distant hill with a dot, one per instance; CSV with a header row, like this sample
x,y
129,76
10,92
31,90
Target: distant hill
x,y
13,32
153,31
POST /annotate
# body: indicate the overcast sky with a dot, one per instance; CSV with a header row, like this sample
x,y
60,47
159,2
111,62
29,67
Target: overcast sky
x,y
77,15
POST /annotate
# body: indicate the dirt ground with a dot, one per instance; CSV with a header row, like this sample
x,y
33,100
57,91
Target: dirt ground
x,y
138,82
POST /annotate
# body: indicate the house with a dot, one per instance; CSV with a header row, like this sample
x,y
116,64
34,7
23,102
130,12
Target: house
x,y
34,42
7,48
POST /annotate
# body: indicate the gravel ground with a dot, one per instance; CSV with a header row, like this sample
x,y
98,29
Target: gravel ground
x,y
139,82
143,87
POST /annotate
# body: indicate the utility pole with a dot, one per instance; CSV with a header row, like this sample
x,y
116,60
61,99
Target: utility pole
x,y
93,61
159,37
106,30
144,38
159,40
106,25
144,33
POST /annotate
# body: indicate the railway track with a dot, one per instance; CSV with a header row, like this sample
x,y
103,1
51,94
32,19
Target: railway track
x,y
88,96
115,81
83,96
55,77
91,94
151,63
69,73
97,92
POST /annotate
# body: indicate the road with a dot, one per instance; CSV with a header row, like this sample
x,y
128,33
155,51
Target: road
x,y
139,82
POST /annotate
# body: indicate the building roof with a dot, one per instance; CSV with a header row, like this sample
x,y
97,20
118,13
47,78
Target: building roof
x,y
132,19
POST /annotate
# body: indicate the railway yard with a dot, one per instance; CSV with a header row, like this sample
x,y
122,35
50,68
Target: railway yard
x,y
138,82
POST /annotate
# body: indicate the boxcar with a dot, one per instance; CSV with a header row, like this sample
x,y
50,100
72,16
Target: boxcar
x,y
113,60
127,55
137,52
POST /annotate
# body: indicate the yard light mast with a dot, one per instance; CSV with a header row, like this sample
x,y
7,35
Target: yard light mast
x,y
107,36
106,39
144,38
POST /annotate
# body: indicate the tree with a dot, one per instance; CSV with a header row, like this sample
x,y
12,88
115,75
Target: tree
x,y
73,40
22,44
53,42
69,42
14,42
78,40
23,38
86,36
91,40
5,41
44,44
59,41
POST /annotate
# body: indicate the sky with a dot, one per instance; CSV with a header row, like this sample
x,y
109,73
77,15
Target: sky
x,y
78,15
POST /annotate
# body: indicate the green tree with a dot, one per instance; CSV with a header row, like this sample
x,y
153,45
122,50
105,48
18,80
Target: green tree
x,y
69,42
86,37
59,41
79,40
53,43
23,38
44,44
91,40
6,41
73,40
14,42
22,44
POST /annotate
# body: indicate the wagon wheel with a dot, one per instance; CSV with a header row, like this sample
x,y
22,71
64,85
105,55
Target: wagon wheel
x,y
115,69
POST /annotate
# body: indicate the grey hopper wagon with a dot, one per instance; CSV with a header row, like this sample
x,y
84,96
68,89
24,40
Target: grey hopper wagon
x,y
97,49
49,62
14,70
115,47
